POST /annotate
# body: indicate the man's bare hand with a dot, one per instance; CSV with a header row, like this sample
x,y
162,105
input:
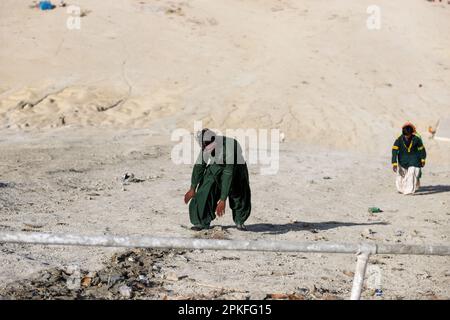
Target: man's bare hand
x,y
189,195
220,210
394,168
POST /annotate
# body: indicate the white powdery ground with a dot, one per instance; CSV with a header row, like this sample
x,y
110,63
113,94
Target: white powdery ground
x,y
69,181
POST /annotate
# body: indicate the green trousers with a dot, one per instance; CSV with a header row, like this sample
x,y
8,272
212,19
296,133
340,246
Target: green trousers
x,y
203,206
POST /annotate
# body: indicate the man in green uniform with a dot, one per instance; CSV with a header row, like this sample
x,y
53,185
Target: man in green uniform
x,y
220,173
408,157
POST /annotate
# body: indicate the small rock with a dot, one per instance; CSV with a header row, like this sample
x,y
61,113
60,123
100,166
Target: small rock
x,y
183,258
125,291
86,281
303,291
257,296
113,279
156,268
103,276
397,269
172,276
71,270
34,225
130,178
425,275
154,177
143,279
349,273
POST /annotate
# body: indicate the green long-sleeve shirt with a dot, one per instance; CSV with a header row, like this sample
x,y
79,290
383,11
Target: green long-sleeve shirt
x,y
408,155
221,165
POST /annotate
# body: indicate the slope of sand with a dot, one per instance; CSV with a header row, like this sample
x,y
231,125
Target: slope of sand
x,y
79,108
303,67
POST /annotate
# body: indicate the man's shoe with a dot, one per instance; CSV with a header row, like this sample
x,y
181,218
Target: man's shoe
x,y
241,227
199,228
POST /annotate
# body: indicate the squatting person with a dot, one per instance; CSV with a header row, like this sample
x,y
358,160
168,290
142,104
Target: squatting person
x,y
220,173
408,157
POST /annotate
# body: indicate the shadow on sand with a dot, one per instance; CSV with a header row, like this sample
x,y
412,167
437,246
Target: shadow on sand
x,y
313,227
432,189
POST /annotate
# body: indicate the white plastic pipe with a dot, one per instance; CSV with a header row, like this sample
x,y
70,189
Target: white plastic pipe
x,y
363,249
213,244
360,272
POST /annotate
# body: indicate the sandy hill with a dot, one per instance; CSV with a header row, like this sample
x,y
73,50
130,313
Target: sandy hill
x,y
311,68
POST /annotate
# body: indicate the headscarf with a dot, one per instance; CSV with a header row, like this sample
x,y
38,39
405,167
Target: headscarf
x,y
206,139
409,124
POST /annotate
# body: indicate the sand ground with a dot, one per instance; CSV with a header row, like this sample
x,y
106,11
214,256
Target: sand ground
x,y
56,182
79,108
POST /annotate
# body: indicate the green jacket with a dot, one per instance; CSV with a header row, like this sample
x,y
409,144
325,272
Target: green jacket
x,y
412,155
222,165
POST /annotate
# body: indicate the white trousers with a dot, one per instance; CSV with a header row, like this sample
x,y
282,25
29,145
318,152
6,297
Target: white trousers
x,y
408,181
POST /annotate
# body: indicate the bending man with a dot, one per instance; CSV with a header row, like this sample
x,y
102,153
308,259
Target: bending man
x,y
220,173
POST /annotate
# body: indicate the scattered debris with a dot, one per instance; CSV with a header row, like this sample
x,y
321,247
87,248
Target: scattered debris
x,y
46,5
397,269
86,281
368,234
284,296
230,258
431,221
172,276
4,184
425,275
125,291
177,11
349,273
62,120
129,275
130,178
325,294
378,292
33,225
374,210
154,177
84,13
216,232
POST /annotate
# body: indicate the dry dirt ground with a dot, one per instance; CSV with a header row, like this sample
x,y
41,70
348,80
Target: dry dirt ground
x,y
67,180
81,107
